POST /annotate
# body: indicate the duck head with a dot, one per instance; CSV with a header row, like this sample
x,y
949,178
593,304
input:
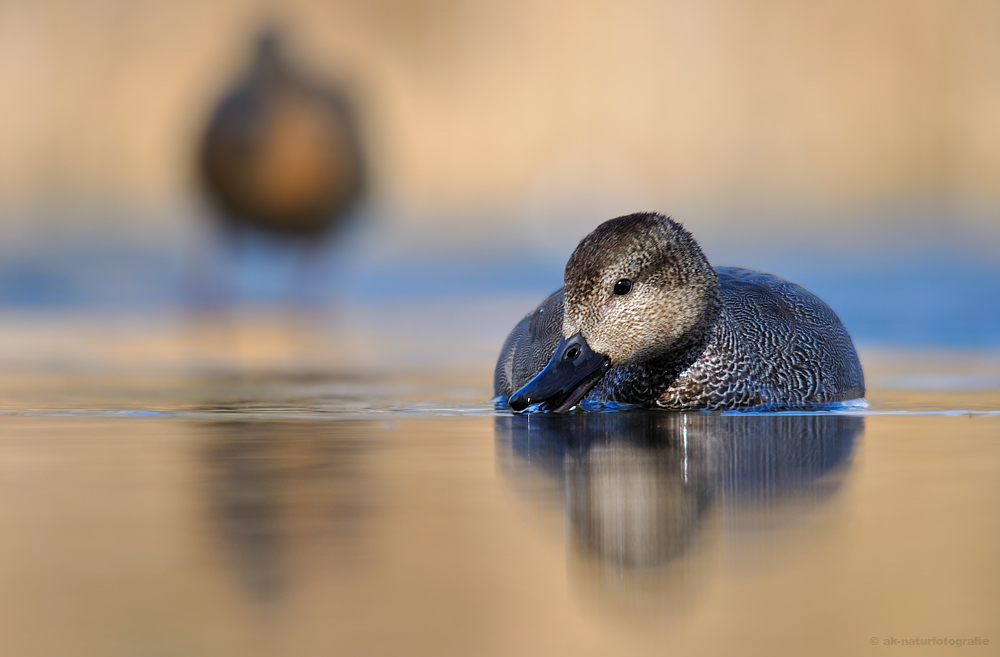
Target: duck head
x,y
636,289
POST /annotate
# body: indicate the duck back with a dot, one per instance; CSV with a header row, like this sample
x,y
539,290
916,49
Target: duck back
x,y
775,345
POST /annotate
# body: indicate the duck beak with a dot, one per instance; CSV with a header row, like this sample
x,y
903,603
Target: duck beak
x,y
571,373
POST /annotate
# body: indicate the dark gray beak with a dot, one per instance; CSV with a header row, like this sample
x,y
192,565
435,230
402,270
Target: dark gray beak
x,y
571,373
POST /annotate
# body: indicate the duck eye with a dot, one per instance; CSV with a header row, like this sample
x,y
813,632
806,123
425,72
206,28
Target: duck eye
x,y
624,286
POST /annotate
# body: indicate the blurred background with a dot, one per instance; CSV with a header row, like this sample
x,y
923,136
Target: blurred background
x,y
252,290
851,146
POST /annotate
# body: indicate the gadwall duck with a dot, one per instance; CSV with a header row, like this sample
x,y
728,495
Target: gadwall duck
x,y
643,318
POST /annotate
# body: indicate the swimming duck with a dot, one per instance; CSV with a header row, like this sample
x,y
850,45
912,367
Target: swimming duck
x,y
281,153
643,318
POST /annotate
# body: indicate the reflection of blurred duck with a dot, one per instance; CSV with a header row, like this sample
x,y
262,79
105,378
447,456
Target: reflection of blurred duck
x,y
645,319
272,486
281,153
636,485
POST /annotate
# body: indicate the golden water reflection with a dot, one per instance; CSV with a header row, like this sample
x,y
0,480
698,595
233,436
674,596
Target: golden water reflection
x,y
267,533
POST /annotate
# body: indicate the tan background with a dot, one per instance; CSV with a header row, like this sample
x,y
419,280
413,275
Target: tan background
x,y
520,106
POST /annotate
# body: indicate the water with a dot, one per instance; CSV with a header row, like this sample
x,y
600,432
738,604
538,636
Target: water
x,y
299,485
919,290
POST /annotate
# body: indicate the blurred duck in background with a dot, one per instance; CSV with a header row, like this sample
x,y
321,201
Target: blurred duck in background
x,y
281,158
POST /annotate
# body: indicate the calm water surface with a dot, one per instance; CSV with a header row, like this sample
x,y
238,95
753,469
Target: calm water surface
x,y
259,487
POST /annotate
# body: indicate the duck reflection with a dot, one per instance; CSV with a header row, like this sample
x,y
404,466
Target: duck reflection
x,y
273,487
644,492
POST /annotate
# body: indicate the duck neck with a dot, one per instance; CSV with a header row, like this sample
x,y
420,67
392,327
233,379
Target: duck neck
x,y
645,381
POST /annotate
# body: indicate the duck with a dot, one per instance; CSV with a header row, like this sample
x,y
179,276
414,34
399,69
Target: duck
x,y
644,319
281,152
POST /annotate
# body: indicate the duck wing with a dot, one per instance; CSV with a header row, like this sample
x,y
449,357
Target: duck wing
x,y
528,348
802,349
